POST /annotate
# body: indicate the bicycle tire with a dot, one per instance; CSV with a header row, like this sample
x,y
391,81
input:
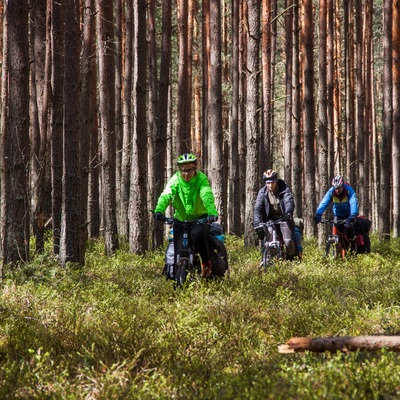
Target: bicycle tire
x,y
181,272
331,249
269,256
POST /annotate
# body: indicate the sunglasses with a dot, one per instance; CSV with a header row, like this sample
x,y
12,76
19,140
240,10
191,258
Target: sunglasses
x,y
187,170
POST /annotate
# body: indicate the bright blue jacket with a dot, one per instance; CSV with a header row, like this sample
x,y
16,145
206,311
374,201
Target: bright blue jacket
x,y
343,206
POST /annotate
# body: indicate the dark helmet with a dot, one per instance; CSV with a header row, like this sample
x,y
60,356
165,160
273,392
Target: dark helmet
x,y
186,158
270,175
337,181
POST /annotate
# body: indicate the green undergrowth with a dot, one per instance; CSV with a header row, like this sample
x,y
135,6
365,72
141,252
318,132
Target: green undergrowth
x,y
117,329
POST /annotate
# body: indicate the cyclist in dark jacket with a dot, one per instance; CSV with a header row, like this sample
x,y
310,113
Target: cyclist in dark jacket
x,y
274,201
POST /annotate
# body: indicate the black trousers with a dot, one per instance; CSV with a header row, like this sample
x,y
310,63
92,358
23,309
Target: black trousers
x,y
198,233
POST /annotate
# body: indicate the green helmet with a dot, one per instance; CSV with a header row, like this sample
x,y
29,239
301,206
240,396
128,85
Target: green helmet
x,y
186,158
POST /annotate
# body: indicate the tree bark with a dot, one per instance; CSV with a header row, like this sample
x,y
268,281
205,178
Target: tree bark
x,y
308,113
56,142
183,128
234,161
138,215
252,118
396,119
215,111
105,35
15,243
88,126
70,250
387,120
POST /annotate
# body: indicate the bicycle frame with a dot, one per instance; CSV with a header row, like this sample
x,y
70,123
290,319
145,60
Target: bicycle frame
x,y
337,242
274,249
187,262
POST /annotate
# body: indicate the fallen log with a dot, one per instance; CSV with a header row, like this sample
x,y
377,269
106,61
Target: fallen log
x,y
344,344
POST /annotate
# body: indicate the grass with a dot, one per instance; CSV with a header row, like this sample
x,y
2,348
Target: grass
x,y
116,329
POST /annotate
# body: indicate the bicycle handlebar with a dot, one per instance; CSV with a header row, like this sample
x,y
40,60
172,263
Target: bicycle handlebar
x,y
333,221
271,223
171,220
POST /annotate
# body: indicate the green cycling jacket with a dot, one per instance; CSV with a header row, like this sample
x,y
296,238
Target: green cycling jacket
x,y
190,199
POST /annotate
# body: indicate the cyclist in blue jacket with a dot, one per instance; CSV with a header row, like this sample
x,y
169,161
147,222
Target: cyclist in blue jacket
x,y
344,204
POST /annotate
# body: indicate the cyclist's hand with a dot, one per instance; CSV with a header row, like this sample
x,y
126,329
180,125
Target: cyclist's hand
x,y
159,216
260,232
317,218
349,222
286,217
212,218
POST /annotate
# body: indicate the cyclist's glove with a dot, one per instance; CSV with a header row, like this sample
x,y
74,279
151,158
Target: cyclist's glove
x,y
260,232
212,218
286,217
317,218
349,222
159,216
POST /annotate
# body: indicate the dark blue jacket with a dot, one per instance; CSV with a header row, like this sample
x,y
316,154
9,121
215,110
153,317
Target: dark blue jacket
x,y
261,208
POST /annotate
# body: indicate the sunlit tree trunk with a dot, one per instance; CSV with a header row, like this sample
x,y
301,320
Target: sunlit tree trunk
x,y
322,135
386,141
118,112
337,93
308,112
288,132
126,119
138,215
330,81
267,85
242,145
70,250
350,170
206,80
153,112
105,35
163,107
234,204
56,142
88,111
215,110
39,110
252,117
361,136
297,160
183,118
396,118
368,121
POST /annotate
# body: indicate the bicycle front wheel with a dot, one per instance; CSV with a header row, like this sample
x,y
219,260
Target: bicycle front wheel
x,y
334,250
181,272
269,256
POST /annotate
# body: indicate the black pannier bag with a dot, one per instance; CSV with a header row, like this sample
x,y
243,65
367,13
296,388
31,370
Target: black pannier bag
x,y
362,226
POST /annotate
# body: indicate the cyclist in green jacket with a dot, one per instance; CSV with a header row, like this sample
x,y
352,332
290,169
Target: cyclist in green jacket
x,y
190,193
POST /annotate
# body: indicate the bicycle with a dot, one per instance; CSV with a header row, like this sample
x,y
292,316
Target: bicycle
x,y
337,243
275,249
187,263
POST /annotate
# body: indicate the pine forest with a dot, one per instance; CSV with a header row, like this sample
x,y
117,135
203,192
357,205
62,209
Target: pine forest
x,y
99,97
